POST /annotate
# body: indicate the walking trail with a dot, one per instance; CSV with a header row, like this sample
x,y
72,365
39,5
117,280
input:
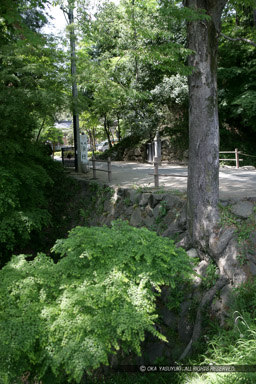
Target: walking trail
x,y
234,183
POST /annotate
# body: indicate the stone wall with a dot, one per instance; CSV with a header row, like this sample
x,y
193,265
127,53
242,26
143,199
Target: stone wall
x,y
233,248
163,212
171,152
234,251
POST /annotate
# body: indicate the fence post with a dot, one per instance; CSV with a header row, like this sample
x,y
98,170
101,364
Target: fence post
x,y
109,169
93,168
237,157
156,175
62,156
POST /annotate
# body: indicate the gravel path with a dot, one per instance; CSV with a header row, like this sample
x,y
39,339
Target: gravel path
x,y
234,183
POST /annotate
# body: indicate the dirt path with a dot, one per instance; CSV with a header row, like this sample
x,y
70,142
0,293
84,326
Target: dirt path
x,y
234,183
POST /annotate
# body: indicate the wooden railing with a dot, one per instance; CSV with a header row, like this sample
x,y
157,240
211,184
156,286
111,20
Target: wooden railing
x,y
157,161
236,159
156,173
94,169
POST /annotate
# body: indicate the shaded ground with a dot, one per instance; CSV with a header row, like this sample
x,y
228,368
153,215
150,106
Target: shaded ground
x,y
234,183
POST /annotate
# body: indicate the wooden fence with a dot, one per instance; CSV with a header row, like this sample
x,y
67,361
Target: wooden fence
x,y
236,159
156,173
157,161
94,169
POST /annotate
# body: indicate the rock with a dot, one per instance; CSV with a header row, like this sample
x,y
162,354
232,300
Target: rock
x,y
252,239
181,218
134,196
108,207
118,211
171,232
242,209
184,242
226,300
157,211
216,307
250,247
165,294
136,218
172,201
170,218
122,192
137,152
144,199
149,211
218,243
229,264
252,267
227,297
128,211
155,351
201,270
192,253
155,198
224,203
108,220
148,221
185,327
169,318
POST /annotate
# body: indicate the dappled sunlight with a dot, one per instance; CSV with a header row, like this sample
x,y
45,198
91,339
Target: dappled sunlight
x,y
234,183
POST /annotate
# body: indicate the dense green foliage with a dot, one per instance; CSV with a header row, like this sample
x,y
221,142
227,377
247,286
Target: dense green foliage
x,y
31,93
236,79
127,56
35,202
68,317
23,204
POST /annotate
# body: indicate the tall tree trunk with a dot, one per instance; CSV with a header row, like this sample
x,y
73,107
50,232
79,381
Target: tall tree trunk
x,y
93,139
203,169
118,128
106,128
78,163
135,41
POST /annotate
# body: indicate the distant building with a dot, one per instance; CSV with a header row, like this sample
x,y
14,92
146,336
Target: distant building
x,y
66,126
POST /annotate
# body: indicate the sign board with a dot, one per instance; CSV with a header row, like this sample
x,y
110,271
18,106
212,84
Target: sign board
x,y
83,147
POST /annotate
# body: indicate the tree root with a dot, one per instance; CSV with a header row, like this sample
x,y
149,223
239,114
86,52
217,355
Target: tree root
x,y
206,300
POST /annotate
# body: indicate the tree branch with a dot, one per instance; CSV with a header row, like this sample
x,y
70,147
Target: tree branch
x,y
248,41
40,130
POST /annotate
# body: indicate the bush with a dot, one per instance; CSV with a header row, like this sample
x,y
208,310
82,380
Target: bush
x,y
117,151
23,204
32,196
61,319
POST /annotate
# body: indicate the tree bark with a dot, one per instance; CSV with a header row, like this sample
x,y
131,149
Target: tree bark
x,y
78,163
107,131
203,168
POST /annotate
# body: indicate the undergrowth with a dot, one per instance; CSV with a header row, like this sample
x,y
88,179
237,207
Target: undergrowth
x,y
58,320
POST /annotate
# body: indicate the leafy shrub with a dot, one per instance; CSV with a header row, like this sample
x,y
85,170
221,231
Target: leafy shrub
x,y
67,317
117,151
23,204
33,190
